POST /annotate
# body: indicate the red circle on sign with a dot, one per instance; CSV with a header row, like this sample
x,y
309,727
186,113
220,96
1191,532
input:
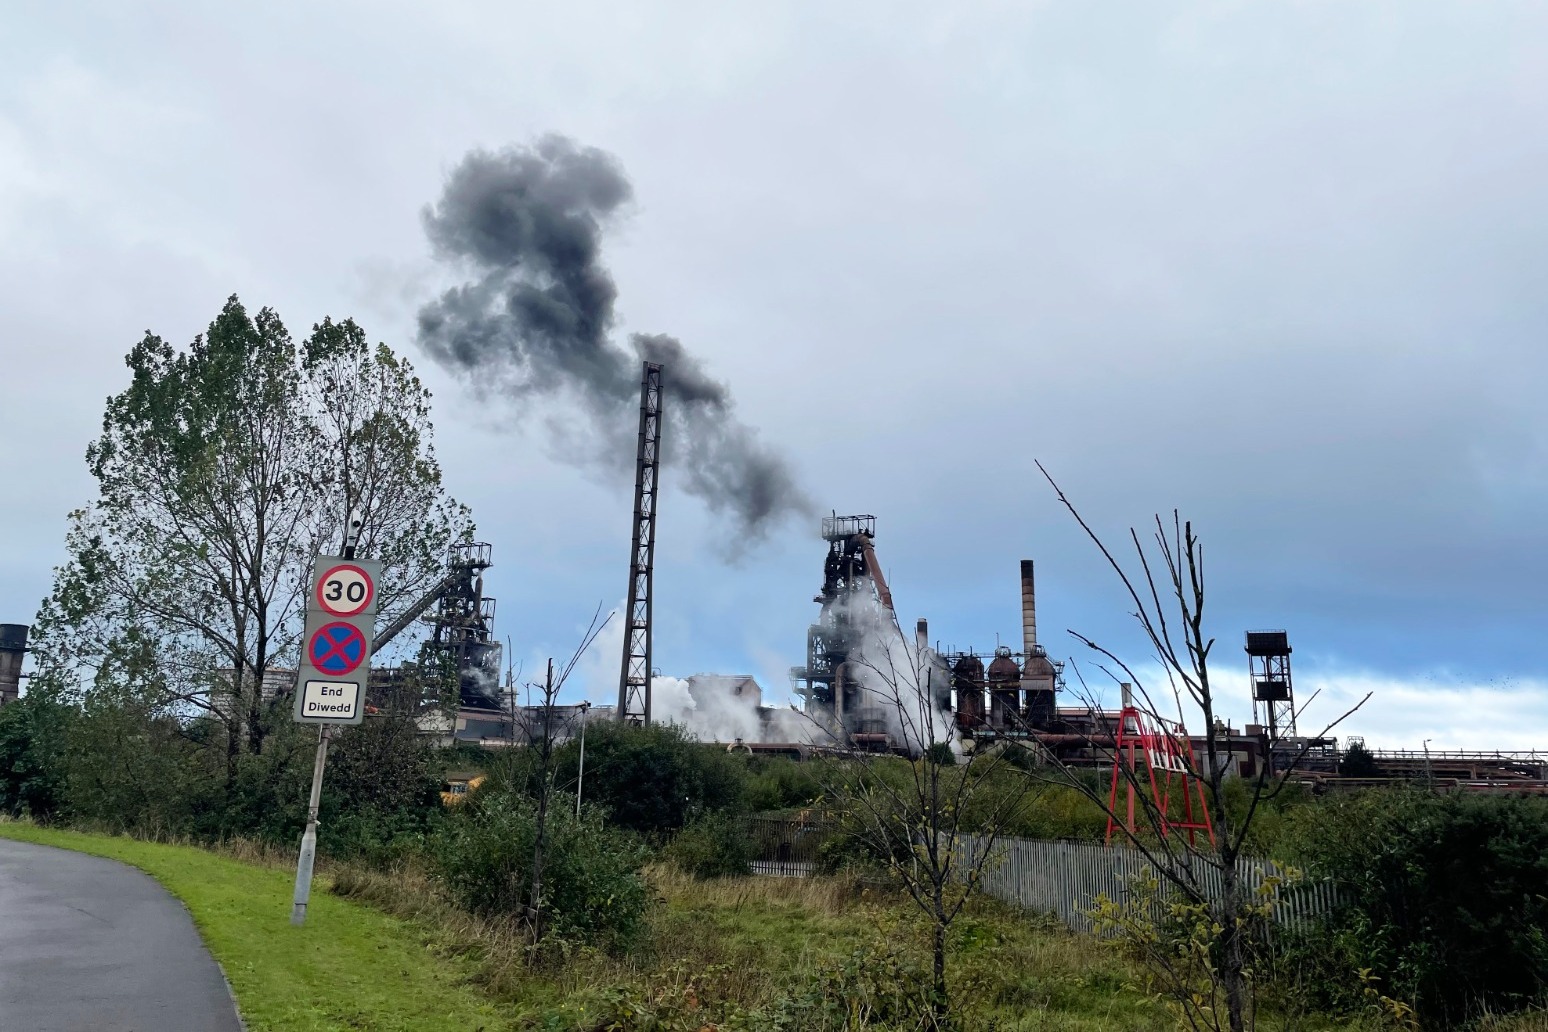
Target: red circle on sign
x,y
335,590
336,649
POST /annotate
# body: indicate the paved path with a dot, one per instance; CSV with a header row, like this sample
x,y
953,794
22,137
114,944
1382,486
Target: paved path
x,y
90,944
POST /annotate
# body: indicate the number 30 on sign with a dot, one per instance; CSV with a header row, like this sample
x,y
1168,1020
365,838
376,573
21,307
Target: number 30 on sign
x,y
344,590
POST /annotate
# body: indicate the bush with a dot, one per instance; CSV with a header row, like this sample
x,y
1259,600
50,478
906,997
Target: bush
x,y
129,769
780,783
1444,900
382,791
592,887
33,737
652,780
1358,762
714,846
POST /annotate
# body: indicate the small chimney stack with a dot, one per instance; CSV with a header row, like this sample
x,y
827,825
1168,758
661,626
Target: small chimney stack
x,y
1028,609
922,635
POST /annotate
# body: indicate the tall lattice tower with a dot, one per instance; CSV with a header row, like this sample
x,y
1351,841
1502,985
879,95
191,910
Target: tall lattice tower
x,y
1273,699
634,677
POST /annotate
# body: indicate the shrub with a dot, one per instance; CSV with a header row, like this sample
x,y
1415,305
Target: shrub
x,y
592,887
1443,900
33,734
780,783
652,780
1358,762
128,768
713,846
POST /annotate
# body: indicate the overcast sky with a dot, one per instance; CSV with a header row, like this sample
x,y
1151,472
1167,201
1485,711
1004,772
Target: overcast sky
x,y
1281,266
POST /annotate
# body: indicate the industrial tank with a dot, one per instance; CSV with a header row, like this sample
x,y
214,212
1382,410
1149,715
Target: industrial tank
x,y
13,646
967,679
1004,691
1038,678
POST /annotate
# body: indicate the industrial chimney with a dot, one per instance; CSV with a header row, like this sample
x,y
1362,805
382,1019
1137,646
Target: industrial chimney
x,y
922,635
13,646
1039,678
1028,610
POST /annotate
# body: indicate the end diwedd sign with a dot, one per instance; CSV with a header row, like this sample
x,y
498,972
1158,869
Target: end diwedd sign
x,y
336,644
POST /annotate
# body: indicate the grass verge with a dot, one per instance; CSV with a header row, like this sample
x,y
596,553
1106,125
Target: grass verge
x,y
349,967
744,954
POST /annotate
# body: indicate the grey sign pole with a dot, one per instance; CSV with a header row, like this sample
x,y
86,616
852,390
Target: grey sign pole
x,y
309,838
308,856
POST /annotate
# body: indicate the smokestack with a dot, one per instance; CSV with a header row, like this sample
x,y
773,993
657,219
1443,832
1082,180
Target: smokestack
x,y
922,635
1028,609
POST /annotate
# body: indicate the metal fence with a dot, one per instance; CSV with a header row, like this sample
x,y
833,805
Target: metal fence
x,y
1062,878
1065,878
785,846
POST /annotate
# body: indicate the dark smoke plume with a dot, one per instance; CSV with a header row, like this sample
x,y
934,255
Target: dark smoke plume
x,y
535,319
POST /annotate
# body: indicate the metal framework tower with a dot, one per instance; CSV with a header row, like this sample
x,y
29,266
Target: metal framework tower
x,y
462,628
634,676
1268,659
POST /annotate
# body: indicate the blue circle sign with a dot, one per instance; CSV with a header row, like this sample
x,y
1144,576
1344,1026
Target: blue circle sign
x,y
336,648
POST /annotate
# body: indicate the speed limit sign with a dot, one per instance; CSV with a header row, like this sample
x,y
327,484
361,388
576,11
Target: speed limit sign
x,y
345,590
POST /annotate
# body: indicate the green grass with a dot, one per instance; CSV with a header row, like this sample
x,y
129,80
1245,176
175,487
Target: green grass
x,y
739,954
1006,971
349,967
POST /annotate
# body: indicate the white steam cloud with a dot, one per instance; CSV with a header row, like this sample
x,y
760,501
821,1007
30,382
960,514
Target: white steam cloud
x,y
903,685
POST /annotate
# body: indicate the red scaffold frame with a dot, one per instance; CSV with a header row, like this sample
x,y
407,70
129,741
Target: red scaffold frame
x,y
1166,748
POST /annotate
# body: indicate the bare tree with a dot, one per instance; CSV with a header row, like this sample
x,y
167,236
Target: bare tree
x,y
1168,596
931,820
543,727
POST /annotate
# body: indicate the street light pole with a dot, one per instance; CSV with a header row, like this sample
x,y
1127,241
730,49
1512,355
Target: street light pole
x,y
580,779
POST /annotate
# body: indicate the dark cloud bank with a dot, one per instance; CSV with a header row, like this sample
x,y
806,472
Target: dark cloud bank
x,y
536,318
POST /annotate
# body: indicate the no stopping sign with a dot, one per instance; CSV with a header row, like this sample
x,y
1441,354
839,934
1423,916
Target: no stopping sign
x,y
337,649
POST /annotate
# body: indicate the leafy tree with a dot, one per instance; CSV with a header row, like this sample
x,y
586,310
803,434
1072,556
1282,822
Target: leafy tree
x,y
222,470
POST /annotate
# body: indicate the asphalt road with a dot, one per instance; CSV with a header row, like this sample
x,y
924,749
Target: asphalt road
x,y
90,944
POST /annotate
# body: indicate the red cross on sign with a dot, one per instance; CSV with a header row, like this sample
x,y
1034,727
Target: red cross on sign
x,y
336,648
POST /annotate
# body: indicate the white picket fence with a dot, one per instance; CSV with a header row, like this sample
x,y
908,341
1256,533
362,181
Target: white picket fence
x,y
1065,878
